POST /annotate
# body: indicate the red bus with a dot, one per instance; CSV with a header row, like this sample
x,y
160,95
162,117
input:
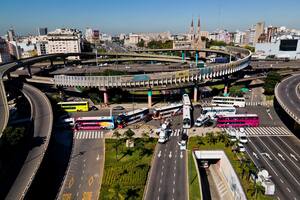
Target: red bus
x,y
238,120
94,123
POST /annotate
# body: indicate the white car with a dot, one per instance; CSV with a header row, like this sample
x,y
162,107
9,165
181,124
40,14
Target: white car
x,y
241,147
182,145
243,139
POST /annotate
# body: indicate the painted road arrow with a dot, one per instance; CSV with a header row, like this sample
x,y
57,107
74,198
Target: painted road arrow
x,y
280,156
293,156
255,155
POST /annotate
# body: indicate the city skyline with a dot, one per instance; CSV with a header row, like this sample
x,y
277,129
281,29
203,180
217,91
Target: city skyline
x,y
173,17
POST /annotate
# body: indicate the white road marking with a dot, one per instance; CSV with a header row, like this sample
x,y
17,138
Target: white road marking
x,y
181,156
288,189
173,182
264,158
255,155
159,154
280,162
289,147
281,180
160,181
280,156
170,154
98,157
293,156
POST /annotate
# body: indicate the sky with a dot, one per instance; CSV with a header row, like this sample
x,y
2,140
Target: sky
x,y
124,16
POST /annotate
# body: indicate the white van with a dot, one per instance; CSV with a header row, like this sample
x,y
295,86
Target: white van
x,y
201,120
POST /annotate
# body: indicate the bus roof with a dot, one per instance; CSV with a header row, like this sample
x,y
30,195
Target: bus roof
x,y
240,115
169,106
94,118
221,97
136,111
72,102
218,108
186,100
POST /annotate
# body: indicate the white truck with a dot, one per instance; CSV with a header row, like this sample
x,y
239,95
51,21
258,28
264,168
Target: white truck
x,y
241,136
164,133
200,121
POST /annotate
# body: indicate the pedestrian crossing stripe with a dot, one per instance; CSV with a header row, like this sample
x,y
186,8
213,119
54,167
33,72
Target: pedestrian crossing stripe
x,y
175,132
252,103
263,131
88,134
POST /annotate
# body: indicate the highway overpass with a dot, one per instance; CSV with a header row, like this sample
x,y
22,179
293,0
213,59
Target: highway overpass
x,y
42,117
144,80
287,94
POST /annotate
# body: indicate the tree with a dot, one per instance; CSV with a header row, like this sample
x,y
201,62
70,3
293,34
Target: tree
x,y
117,135
116,192
141,43
256,189
270,82
235,90
129,134
132,194
13,136
252,49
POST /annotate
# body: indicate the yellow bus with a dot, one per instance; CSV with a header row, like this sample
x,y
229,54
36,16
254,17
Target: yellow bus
x,y
81,106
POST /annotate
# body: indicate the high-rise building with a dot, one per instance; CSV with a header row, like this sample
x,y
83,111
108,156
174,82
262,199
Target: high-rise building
x,y
4,53
92,35
11,35
259,29
64,41
43,31
271,31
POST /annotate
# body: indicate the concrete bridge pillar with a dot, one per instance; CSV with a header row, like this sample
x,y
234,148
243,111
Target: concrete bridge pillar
x,y
197,57
105,95
182,56
29,70
149,98
195,93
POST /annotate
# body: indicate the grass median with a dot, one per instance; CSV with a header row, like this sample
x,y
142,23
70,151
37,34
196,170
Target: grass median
x,y
126,169
194,190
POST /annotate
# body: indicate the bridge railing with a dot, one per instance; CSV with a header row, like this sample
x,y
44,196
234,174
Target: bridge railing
x,y
158,78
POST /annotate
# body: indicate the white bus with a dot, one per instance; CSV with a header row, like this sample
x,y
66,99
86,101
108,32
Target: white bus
x,y
167,111
213,111
186,119
228,101
186,100
131,117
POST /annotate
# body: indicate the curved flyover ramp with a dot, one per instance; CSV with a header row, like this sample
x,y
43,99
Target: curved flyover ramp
x,y
42,116
287,93
4,110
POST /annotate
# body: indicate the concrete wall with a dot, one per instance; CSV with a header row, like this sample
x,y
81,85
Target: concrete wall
x,y
226,170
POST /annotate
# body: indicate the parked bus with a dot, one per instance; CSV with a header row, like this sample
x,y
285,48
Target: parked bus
x,y
167,111
239,120
213,111
94,123
228,101
186,100
131,117
81,106
186,120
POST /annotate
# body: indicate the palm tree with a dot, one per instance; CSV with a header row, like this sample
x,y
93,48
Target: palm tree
x,y
117,135
256,189
116,192
129,135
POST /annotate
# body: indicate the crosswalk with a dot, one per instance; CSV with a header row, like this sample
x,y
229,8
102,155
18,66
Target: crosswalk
x,y
175,133
252,103
267,131
88,135
271,131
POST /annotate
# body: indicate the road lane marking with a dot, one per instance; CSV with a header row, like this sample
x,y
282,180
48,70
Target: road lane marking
x,y
280,162
160,181
175,167
159,189
79,185
162,173
255,155
280,156
293,156
98,157
159,154
289,147
173,190
264,158
174,182
281,180
181,156
284,154
71,182
288,189
91,180
170,154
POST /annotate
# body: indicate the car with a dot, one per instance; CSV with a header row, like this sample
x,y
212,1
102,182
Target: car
x,y
182,145
241,147
94,108
118,108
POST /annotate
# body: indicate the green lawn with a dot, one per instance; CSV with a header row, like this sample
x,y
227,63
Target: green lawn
x,y
202,143
126,175
218,87
194,190
269,97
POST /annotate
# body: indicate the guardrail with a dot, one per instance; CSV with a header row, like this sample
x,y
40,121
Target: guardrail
x,y
5,115
155,79
285,108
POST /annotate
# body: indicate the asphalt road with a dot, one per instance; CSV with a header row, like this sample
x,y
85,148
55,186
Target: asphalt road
x,y
168,177
288,95
85,170
280,156
43,119
3,108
